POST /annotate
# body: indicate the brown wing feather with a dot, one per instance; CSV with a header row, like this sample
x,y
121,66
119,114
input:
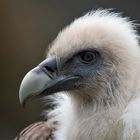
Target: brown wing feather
x,y
42,130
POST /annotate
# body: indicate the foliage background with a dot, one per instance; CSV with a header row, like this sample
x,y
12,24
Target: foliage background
x,y
26,29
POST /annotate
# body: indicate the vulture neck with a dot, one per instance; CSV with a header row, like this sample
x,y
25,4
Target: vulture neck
x,y
84,118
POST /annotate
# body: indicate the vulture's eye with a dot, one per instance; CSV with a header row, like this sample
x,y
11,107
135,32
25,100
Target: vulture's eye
x,y
87,57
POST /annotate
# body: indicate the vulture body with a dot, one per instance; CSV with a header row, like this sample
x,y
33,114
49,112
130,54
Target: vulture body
x,y
91,74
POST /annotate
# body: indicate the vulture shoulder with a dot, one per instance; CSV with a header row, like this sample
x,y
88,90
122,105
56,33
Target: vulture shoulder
x,y
42,130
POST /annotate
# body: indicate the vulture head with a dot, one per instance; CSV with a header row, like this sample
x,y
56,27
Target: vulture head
x,y
91,70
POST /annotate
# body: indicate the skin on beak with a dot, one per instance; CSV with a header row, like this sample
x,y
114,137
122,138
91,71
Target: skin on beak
x,y
43,80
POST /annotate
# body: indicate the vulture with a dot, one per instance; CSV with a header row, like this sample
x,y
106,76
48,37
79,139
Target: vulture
x,y
91,77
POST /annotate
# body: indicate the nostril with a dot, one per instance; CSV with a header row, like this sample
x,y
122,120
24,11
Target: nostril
x,y
49,66
49,69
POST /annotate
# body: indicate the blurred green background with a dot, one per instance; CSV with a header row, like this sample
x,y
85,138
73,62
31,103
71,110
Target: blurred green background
x,y
26,29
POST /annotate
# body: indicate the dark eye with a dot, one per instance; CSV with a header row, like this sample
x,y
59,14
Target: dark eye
x,y
87,57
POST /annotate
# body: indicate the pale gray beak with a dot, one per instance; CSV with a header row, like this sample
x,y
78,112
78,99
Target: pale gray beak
x,y
44,80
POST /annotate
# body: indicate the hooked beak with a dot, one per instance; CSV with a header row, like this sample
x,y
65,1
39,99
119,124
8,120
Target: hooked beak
x,y
43,80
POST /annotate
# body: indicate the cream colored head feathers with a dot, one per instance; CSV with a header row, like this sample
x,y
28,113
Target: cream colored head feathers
x,y
115,38
112,88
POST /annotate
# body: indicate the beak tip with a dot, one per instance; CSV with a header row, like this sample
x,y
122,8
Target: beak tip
x,y
23,104
22,100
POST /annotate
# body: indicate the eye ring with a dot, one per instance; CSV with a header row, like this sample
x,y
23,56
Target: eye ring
x,y
87,57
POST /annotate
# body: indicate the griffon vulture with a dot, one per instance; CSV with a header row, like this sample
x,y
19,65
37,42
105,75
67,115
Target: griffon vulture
x,y
92,74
